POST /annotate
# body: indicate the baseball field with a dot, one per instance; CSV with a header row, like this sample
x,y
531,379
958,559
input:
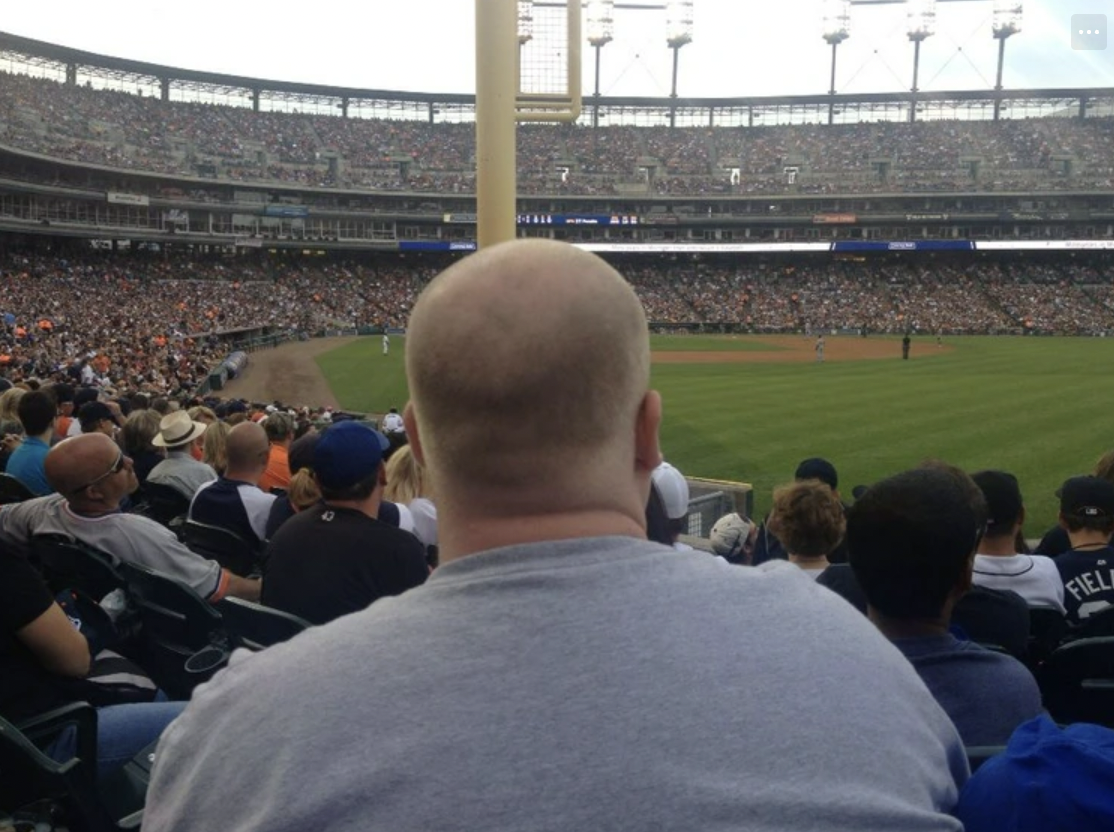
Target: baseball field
x,y
750,408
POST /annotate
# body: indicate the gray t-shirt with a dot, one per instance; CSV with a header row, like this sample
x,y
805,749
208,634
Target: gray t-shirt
x,y
127,537
182,472
593,684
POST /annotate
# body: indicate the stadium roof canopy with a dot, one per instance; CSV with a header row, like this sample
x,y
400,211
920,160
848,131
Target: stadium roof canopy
x,y
55,59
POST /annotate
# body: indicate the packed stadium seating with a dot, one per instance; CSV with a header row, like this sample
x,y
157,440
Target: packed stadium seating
x,y
166,337
164,307
129,131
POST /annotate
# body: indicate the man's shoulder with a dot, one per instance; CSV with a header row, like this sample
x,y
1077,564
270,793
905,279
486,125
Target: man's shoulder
x,y
962,657
130,525
37,507
624,620
1075,561
214,486
31,446
997,669
329,521
254,496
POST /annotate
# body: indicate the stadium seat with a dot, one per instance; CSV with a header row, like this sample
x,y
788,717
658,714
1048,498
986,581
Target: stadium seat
x,y
183,635
165,503
68,564
979,754
1077,682
71,788
224,546
1095,625
1047,628
255,627
13,491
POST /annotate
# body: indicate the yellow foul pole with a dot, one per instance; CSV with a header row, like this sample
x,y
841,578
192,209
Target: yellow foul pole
x,y
496,89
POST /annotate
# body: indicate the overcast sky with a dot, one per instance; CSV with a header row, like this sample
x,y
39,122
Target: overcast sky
x,y
740,47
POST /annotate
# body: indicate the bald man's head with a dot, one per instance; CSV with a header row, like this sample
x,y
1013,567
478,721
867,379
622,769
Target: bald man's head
x,y
248,450
91,471
528,363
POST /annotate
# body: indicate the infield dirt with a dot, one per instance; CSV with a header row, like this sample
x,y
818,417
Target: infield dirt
x,y
799,349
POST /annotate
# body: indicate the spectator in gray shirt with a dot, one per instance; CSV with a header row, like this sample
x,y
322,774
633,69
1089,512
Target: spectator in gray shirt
x,y
557,670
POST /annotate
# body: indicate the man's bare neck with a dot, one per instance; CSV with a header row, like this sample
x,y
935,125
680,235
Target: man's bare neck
x,y
1000,546
1088,538
461,538
250,477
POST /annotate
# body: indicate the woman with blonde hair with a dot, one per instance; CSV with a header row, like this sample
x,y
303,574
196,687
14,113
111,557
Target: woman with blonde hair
x,y
405,477
408,487
303,491
203,414
214,451
9,404
139,430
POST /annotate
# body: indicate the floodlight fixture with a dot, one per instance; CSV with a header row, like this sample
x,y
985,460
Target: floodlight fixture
x,y
525,21
1008,15
678,22
1007,22
836,28
601,22
835,21
920,19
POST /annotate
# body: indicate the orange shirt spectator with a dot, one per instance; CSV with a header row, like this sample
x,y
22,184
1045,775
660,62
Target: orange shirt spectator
x,y
277,474
280,432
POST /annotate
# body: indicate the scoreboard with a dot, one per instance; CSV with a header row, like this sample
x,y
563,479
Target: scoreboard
x,y
578,219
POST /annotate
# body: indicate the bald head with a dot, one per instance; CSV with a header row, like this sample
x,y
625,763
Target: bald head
x,y
247,451
82,469
528,364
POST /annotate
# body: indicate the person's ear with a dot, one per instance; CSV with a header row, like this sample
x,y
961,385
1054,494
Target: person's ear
x,y
647,446
413,437
967,579
382,474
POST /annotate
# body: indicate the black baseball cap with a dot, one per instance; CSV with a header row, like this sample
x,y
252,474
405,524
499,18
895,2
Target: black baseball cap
x,y
816,468
1003,499
1087,497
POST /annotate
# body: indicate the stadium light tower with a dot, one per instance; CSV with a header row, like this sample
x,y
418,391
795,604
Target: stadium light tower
x,y
678,32
836,28
920,25
1007,22
601,31
525,21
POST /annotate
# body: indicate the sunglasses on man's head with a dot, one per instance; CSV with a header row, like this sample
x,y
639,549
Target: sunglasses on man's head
x,y
116,468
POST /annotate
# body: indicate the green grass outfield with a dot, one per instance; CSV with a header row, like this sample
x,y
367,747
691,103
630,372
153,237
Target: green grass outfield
x,y
1042,408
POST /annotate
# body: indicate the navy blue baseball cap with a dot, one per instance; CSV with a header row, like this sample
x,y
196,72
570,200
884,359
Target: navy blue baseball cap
x,y
347,454
1087,497
816,468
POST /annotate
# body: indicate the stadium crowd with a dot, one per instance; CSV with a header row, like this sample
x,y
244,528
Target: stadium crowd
x,y
138,132
428,553
183,312
58,321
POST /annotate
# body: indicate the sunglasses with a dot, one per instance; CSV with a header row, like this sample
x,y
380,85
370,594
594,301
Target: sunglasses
x,y
116,468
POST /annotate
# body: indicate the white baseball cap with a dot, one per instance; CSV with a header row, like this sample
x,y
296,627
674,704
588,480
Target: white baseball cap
x,y
673,490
